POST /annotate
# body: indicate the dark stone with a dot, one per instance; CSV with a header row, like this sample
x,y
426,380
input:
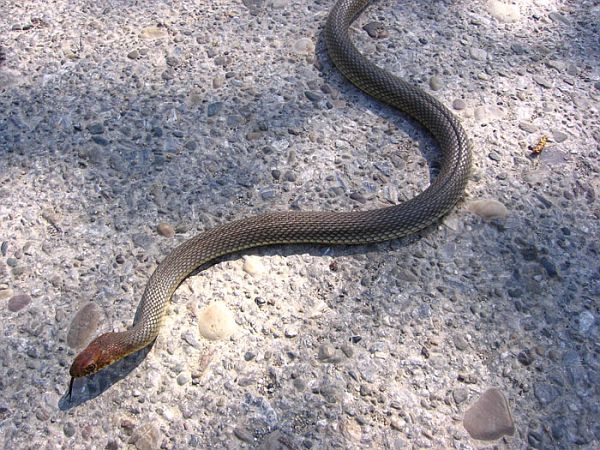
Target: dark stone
x,y
214,108
376,30
525,357
100,140
95,128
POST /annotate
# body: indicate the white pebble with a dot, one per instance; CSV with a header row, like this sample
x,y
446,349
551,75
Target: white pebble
x,y
488,209
503,12
586,320
216,321
253,265
304,46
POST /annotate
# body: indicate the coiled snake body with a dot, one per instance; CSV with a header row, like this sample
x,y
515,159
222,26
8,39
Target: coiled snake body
x,y
307,227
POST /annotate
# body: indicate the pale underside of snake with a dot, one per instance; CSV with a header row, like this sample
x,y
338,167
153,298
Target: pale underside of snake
x,y
357,227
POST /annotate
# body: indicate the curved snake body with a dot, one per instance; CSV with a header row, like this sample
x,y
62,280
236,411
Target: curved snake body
x,y
307,227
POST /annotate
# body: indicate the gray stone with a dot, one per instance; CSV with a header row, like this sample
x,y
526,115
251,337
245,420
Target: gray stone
x,y
489,418
18,302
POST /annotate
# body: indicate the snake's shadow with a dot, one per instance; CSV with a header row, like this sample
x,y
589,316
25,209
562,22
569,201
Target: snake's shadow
x,y
88,388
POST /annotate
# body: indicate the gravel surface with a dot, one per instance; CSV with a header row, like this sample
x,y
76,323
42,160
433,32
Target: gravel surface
x,y
127,127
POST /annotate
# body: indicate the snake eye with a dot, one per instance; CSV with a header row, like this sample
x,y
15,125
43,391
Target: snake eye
x,y
91,368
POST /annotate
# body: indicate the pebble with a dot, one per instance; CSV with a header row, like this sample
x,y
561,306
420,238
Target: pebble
x,y
478,54
304,46
95,128
146,437
69,429
460,395
503,12
376,30
489,418
488,209
83,326
326,352
586,320
253,265
5,293
216,321
542,81
151,33
243,435
184,378
291,332
459,104
435,83
558,136
18,302
214,108
166,230
528,126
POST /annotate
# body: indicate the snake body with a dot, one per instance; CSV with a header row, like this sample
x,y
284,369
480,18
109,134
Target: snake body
x,y
307,227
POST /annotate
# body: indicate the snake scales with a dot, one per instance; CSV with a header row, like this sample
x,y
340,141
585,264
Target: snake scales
x,y
307,227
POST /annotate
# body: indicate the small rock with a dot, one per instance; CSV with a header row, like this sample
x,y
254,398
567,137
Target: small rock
x,y
459,104
218,82
489,418
84,324
503,12
146,437
134,54
525,357
214,108
558,136
253,265
488,209
95,128
528,127
542,81
69,429
460,395
243,435
358,197
166,230
376,30
313,96
478,54
435,83
291,332
216,321
18,302
5,293
326,352
100,140
150,33
460,342
183,378
304,46
350,430
586,320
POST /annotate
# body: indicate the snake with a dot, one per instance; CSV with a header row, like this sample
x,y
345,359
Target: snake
x,y
307,227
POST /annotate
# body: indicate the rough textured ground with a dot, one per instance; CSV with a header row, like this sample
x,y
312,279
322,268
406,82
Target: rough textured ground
x,y
119,115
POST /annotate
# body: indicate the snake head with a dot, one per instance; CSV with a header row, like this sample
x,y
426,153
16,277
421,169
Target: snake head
x,y
97,355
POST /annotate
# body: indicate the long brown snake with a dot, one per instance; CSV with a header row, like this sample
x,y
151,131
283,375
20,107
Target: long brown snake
x,y
360,227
